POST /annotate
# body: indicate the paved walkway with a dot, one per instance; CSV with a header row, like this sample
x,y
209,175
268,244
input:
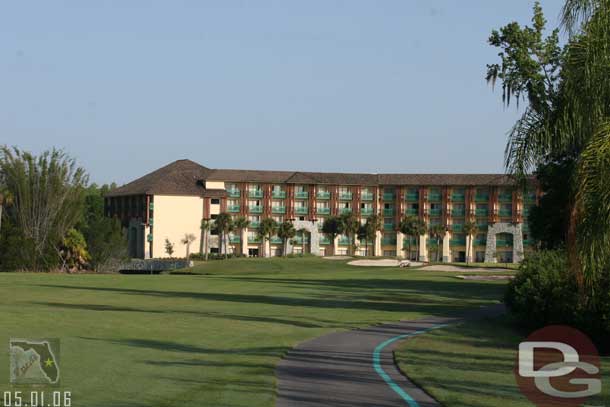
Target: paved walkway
x,y
356,368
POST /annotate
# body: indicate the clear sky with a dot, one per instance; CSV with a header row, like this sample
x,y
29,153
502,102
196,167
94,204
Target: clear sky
x,y
319,85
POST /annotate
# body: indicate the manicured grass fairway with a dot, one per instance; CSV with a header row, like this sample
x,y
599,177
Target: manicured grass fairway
x,y
211,339
470,365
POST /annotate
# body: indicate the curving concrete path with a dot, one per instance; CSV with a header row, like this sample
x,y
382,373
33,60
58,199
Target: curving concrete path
x,y
356,368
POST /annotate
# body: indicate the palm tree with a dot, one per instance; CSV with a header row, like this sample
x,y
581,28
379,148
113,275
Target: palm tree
x,y
349,226
187,240
372,225
224,224
420,229
240,224
567,117
332,226
412,227
267,228
471,229
286,231
206,226
437,232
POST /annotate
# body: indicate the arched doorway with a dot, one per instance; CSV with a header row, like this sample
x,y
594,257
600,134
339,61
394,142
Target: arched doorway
x,y
314,235
505,235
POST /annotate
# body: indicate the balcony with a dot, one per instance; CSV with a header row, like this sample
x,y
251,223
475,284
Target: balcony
x,y
300,240
345,196
435,212
255,193
505,213
434,197
323,211
481,198
233,208
301,210
458,197
480,242
301,195
256,209
411,211
410,196
388,227
366,211
505,197
254,225
254,239
528,242
276,240
344,241
482,227
278,194
323,195
233,193
389,196
406,240
388,241
324,239
457,242
458,212
481,212
344,211
234,239
388,212
367,196
278,209
457,227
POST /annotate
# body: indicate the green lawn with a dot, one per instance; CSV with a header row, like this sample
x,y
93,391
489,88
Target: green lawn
x,y
213,338
470,365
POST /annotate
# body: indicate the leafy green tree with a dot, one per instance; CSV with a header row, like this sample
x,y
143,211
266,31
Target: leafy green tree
x,y
169,247
437,232
187,240
286,231
48,192
73,251
241,223
471,229
332,226
349,225
412,227
204,248
266,230
224,224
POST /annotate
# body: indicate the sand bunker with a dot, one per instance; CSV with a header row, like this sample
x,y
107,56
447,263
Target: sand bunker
x,y
441,267
381,263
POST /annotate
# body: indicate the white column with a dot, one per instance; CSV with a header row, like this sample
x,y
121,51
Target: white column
x,y
446,247
423,250
335,245
399,244
378,237
267,244
469,249
244,241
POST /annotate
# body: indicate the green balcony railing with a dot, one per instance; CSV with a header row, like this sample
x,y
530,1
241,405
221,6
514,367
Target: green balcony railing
x,y
301,240
234,239
505,197
504,243
278,209
344,211
323,195
388,241
255,193
457,227
410,196
276,240
458,197
482,227
388,212
411,211
345,196
480,242
405,242
457,242
323,211
389,196
233,193
529,196
233,208
366,211
324,240
278,194
301,210
528,242
505,213
301,195
481,212
256,209
458,212
434,197
344,241
481,198
254,239
388,226
254,225
435,212
367,196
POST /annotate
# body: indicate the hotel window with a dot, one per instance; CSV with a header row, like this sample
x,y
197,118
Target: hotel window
x,y
364,205
233,202
255,202
278,219
254,187
435,206
277,203
231,187
344,190
300,204
254,219
322,189
215,201
321,205
388,206
346,205
277,188
389,190
300,188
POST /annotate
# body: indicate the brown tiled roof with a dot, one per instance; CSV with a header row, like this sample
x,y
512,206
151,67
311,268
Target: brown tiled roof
x,y
214,193
178,178
185,177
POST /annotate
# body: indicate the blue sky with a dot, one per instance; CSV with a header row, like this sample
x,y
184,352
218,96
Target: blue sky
x,y
320,85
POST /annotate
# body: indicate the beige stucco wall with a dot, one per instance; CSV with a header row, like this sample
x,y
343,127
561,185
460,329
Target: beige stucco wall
x,y
214,185
174,216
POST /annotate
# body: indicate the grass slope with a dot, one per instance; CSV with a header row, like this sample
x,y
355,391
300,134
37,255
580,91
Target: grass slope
x,y
471,365
211,339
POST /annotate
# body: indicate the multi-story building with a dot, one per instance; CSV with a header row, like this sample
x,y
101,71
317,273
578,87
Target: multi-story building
x,y
172,201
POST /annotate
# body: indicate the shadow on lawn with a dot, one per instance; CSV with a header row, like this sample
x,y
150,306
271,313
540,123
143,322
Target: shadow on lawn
x,y
443,298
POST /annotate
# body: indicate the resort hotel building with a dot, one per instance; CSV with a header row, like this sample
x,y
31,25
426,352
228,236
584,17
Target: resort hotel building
x,y
172,201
